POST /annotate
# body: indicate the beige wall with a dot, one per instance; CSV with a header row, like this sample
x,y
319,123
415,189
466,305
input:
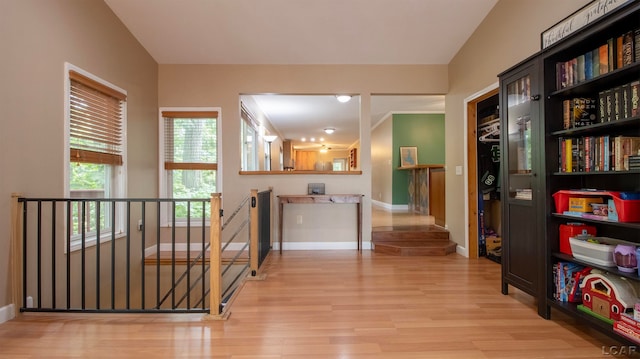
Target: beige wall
x,y
220,86
508,35
381,162
37,38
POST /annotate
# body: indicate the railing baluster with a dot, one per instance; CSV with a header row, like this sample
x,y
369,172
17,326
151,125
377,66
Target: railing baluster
x,y
204,252
128,251
158,217
189,254
69,227
173,257
98,254
84,244
113,255
142,239
39,254
53,254
24,255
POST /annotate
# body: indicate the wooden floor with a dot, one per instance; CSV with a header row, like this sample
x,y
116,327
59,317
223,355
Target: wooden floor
x,y
328,304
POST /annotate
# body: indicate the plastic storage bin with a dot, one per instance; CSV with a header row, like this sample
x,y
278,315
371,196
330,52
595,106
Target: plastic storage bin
x,y
600,253
628,210
573,229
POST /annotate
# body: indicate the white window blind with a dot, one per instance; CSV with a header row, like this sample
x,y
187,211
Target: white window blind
x,y
95,112
190,140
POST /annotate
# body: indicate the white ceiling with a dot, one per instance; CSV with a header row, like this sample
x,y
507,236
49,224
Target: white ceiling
x,y
308,32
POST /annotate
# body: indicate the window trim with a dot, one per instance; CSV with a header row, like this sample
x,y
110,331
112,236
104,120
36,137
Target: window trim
x,y
118,173
162,178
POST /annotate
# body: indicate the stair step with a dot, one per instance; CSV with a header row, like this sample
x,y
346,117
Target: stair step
x,y
415,248
409,233
412,240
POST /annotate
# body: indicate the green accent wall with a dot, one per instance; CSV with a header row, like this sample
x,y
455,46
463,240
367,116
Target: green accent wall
x,y
425,131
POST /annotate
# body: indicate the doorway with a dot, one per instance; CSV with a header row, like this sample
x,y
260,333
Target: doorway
x,y
476,108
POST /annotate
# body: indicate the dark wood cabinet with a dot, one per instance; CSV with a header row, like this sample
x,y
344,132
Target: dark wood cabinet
x,y
522,189
562,157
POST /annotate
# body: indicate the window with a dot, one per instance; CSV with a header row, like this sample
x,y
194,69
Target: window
x,y
96,116
189,159
249,138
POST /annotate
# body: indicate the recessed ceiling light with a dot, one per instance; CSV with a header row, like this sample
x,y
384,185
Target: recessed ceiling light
x,y
329,130
343,98
312,139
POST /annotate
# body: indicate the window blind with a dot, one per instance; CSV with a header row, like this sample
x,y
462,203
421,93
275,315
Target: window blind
x,y
95,121
190,140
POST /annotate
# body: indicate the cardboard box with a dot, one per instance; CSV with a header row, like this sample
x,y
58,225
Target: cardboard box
x,y
582,204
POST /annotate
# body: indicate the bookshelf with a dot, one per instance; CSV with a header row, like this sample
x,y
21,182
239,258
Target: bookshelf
x,y
595,159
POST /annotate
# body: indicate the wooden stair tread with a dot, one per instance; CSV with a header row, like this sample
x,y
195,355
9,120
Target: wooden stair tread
x,y
181,257
412,240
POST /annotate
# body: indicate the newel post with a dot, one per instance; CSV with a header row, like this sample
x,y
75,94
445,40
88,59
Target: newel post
x,y
16,251
253,233
215,277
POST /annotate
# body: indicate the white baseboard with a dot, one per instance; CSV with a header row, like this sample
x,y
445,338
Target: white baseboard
x,y
462,251
390,207
7,313
304,246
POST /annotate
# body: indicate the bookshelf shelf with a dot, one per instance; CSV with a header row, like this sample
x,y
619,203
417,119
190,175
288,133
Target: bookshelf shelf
x,y
532,228
632,123
611,79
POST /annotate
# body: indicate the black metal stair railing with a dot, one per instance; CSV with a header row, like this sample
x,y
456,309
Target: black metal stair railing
x,y
123,255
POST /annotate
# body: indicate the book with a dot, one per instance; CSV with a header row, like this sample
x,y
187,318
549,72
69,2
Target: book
x,y
584,111
568,155
596,63
608,103
566,114
580,73
627,52
625,105
634,98
602,107
618,52
611,52
604,59
617,103
588,65
636,45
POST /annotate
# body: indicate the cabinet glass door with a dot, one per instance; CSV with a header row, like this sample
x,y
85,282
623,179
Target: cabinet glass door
x,y
519,138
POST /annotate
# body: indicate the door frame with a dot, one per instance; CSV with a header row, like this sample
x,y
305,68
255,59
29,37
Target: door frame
x,y
471,167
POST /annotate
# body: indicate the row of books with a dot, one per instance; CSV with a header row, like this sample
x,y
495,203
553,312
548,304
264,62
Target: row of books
x,y
619,102
524,193
616,53
633,162
613,104
597,153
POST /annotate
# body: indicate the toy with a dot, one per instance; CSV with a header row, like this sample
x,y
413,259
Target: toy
x,y
608,295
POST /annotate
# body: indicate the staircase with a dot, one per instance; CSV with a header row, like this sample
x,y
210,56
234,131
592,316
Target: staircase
x,y
412,240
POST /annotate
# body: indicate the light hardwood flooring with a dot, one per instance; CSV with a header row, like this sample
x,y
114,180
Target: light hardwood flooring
x,y
381,217
328,304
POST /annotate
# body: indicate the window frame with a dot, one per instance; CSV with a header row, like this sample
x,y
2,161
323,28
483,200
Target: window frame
x,y
248,123
117,173
163,176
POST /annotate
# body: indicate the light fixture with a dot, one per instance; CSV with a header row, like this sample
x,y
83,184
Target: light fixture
x,y
343,98
329,130
270,138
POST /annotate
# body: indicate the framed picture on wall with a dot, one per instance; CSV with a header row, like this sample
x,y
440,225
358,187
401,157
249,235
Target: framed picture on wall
x,y
408,156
